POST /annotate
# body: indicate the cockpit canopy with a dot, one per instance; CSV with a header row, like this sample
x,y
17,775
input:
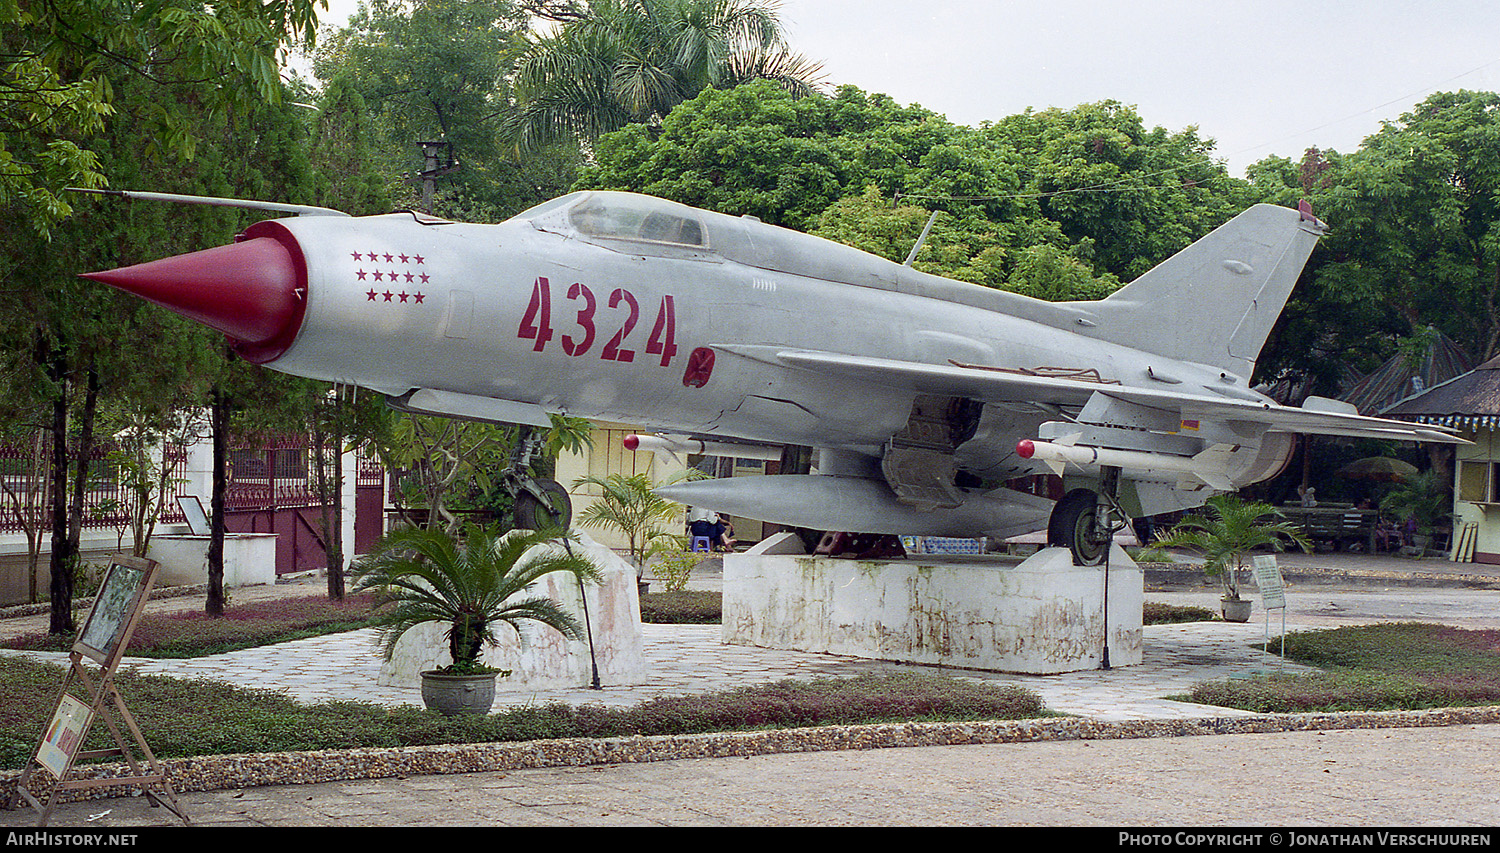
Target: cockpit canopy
x,y
622,216
626,217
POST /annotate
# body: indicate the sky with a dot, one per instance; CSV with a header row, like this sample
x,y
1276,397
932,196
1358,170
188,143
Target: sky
x,y
1260,77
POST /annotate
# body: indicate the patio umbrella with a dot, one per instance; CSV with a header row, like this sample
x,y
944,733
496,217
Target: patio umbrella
x,y
1378,468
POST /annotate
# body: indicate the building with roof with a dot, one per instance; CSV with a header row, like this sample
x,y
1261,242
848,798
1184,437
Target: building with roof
x,y
1471,404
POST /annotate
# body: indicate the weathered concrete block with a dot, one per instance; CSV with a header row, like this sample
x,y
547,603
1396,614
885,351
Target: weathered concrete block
x,y
249,559
1042,615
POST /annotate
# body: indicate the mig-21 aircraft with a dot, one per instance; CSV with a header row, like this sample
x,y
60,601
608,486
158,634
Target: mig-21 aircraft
x,y
920,394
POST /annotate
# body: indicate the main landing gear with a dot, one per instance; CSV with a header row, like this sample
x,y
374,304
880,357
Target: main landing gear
x,y
1085,521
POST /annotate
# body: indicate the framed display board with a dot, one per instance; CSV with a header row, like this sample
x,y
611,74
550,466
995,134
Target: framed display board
x,y
64,735
115,610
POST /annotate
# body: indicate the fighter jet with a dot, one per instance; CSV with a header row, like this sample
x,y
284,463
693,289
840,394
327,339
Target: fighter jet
x,y
921,395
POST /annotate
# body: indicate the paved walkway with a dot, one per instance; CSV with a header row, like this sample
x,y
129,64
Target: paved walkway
x,y
1255,779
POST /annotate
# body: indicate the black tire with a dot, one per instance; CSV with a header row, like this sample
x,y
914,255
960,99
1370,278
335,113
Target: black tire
x,y
1073,526
531,515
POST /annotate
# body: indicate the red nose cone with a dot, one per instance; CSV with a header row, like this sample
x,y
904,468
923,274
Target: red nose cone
x,y
254,291
1024,448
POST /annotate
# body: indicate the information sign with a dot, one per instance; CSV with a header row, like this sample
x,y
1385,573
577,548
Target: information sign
x,y
1268,579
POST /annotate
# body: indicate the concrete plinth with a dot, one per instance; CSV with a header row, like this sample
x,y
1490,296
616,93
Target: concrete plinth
x,y
1042,615
249,559
545,659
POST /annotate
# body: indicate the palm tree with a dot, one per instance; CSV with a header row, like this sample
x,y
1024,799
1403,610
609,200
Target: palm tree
x,y
613,62
1228,532
1426,499
472,583
629,505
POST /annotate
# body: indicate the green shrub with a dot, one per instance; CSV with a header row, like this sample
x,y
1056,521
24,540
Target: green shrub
x,y
687,607
1157,613
675,569
195,634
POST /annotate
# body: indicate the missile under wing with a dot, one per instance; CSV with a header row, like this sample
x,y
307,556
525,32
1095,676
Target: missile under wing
x,y
921,394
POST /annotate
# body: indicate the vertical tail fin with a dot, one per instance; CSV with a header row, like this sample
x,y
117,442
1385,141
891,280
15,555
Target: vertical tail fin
x,y
1215,302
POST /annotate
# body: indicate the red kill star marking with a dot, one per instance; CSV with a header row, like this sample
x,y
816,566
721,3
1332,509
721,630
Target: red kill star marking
x,y
403,294
361,274
388,257
419,297
404,258
388,295
371,294
378,275
418,259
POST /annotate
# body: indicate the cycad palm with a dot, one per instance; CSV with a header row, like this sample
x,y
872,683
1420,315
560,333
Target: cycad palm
x,y
472,584
1228,531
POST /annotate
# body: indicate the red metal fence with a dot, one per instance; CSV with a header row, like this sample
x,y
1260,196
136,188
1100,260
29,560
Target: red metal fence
x,y
272,488
108,504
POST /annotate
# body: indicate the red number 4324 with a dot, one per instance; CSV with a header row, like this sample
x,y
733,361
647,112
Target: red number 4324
x,y
622,313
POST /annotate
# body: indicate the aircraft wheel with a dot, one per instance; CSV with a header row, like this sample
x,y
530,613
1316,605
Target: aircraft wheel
x,y
1073,526
530,514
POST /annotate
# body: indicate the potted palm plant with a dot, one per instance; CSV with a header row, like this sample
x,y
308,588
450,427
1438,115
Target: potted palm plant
x,y
1224,536
631,506
472,583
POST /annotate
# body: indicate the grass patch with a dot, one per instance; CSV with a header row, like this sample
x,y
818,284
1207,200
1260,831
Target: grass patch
x,y
182,718
195,634
1389,666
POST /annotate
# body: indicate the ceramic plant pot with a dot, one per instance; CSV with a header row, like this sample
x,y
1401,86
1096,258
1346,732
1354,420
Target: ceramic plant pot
x,y
458,694
1236,609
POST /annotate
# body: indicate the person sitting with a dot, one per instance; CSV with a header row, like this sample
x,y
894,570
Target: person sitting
x,y
723,534
703,524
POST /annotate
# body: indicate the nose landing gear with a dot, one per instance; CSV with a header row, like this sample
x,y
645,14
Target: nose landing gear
x,y
538,503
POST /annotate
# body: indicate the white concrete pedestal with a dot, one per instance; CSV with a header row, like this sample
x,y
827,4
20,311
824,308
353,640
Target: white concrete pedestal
x,y
1043,615
546,659
249,559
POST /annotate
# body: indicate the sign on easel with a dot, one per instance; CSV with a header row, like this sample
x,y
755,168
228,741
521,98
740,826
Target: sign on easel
x,y
1272,588
103,639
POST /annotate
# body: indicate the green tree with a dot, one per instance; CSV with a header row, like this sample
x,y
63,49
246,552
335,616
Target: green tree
x,y
631,506
56,64
440,71
615,62
1426,500
1415,231
1017,199
757,150
1133,194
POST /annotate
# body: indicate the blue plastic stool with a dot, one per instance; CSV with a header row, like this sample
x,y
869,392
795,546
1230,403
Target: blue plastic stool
x,y
701,543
